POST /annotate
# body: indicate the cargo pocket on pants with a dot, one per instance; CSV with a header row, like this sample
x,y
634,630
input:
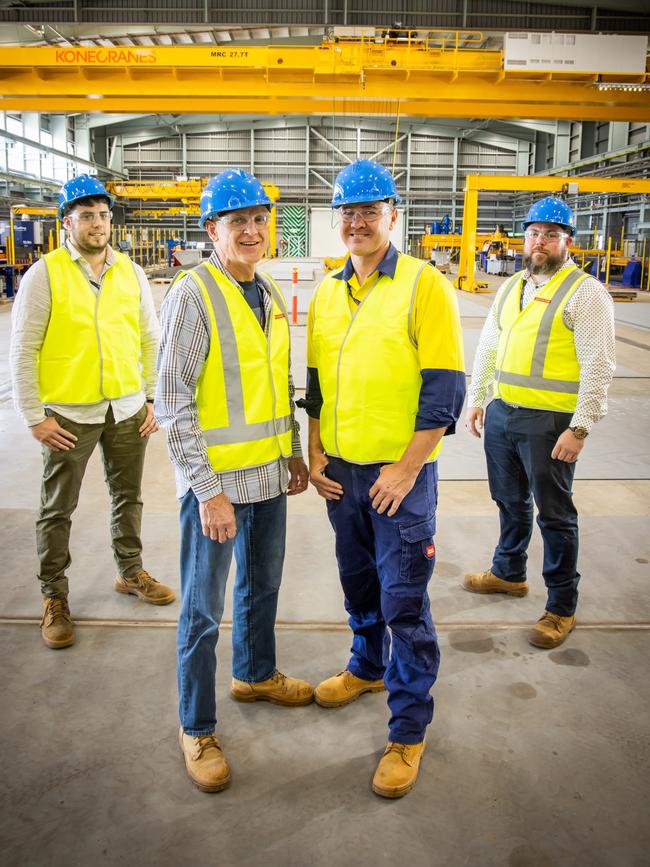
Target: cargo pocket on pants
x,y
418,551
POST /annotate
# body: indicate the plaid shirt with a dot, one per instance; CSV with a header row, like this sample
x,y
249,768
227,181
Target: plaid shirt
x,y
184,346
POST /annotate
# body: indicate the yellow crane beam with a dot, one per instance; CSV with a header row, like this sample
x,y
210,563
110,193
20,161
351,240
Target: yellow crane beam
x,y
161,191
513,183
429,78
28,211
156,213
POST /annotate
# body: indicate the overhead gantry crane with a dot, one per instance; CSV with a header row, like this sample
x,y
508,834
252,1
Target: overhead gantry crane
x,y
441,74
572,185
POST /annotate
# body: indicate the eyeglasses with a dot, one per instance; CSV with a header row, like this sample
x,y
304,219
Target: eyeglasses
x,y
90,216
534,235
369,213
238,221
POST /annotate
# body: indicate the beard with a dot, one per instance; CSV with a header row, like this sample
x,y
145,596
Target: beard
x,y
545,264
90,245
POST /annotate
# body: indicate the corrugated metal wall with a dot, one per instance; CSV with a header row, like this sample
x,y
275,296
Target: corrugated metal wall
x,y
424,166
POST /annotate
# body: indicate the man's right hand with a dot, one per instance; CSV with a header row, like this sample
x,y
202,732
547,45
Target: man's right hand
x,y
327,488
50,433
218,518
474,420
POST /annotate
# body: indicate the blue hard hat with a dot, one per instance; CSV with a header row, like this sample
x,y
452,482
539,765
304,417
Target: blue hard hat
x,y
81,187
230,191
364,181
551,210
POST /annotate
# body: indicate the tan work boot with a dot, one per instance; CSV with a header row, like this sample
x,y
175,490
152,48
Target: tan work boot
x,y
145,587
488,582
343,688
57,628
397,770
206,764
278,689
551,630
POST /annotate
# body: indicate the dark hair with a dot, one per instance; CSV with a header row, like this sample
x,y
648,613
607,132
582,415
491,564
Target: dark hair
x,y
86,200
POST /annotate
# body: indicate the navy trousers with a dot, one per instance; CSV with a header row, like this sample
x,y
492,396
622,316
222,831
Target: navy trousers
x,y
385,565
518,446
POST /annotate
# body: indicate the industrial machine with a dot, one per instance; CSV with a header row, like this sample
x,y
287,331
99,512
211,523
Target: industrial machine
x,y
187,193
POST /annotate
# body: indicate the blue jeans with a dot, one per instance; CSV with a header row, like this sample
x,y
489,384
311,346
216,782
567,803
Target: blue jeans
x,y
259,555
518,446
385,565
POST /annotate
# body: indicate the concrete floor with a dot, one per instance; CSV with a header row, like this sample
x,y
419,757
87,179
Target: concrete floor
x,y
534,759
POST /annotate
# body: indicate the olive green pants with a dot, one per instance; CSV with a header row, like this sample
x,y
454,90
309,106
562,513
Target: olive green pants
x,y
122,450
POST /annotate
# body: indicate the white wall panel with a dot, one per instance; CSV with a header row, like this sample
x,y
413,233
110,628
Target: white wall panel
x,y
325,238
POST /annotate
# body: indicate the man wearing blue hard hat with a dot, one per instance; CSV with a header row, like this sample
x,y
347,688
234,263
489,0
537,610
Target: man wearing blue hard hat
x,y
83,356
547,349
385,383
225,396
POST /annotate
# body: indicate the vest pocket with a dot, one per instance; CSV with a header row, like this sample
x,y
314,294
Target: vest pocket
x,y
418,553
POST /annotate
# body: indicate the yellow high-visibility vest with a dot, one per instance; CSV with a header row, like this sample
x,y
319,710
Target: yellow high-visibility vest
x,y
536,364
92,347
368,367
242,393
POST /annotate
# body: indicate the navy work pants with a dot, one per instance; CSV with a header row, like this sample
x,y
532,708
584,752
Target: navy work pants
x,y
385,565
518,446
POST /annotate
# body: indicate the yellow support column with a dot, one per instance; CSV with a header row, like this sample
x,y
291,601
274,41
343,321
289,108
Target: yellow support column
x,y
642,265
609,259
11,249
466,263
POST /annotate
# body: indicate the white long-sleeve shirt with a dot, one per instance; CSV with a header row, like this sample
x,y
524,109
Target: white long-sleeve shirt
x,y
30,319
589,313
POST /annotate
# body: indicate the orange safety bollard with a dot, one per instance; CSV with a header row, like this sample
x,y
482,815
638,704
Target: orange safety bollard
x,y
294,297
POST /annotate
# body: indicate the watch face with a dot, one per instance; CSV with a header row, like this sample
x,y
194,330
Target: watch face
x,y
579,432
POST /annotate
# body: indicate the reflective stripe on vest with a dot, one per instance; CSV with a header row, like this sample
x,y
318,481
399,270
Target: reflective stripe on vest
x,y
276,430
368,366
92,346
535,380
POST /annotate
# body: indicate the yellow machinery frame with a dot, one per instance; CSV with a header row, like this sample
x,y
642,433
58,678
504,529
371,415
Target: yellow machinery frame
x,y
188,192
440,74
511,183
25,211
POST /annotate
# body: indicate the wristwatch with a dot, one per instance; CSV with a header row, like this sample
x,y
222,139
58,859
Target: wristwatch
x,y
579,433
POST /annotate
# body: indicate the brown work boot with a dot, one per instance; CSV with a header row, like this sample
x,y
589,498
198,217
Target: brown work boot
x,y
57,628
397,770
488,582
343,688
551,630
145,587
206,764
278,689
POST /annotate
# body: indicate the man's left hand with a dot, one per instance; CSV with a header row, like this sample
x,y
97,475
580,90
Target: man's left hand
x,y
393,484
567,448
298,476
149,425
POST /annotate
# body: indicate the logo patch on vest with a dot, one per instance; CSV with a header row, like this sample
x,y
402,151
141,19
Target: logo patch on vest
x,y
430,551
543,300
279,316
